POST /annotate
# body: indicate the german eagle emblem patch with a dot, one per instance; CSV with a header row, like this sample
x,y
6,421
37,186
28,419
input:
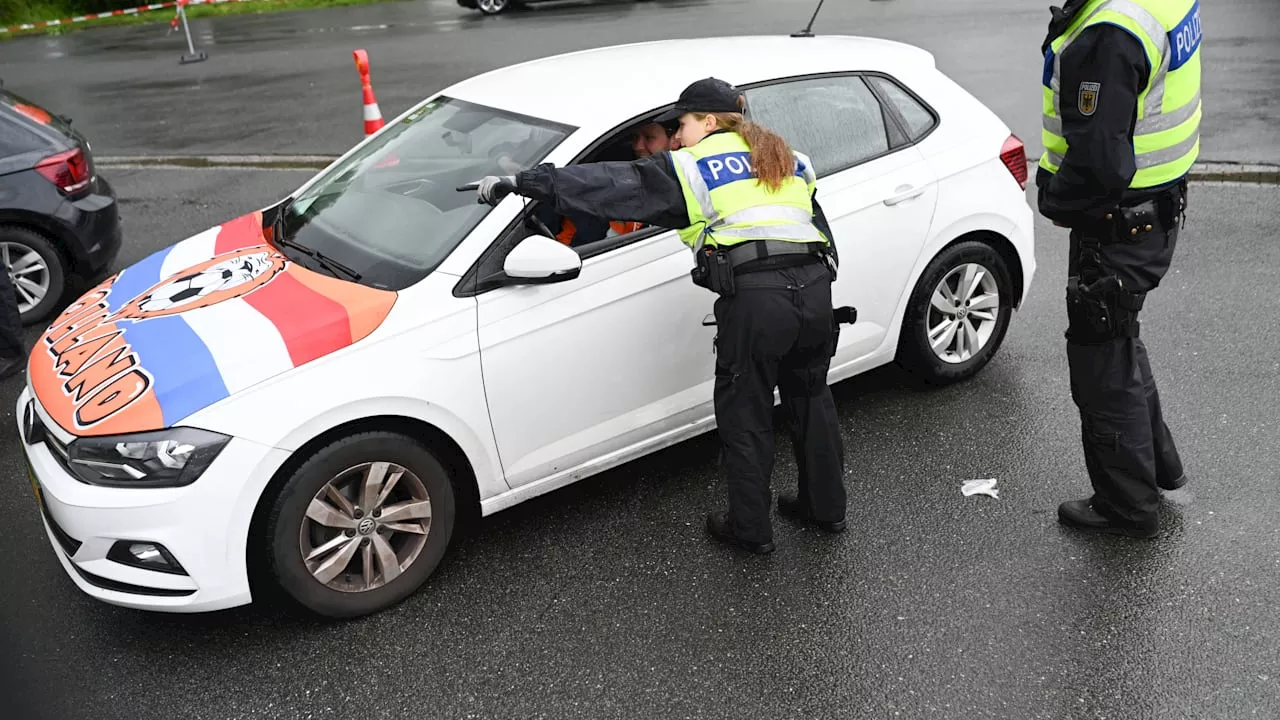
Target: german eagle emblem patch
x,y
1089,97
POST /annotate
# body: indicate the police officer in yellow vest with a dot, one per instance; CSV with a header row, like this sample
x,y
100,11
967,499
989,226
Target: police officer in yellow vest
x,y
744,202
1121,131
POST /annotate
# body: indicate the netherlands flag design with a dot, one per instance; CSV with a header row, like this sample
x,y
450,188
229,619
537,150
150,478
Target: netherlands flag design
x,y
190,325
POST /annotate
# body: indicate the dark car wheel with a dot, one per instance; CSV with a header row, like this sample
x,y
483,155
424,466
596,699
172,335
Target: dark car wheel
x,y
360,525
957,315
37,271
493,7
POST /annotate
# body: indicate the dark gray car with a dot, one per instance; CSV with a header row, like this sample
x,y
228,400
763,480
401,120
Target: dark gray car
x,y
58,217
493,7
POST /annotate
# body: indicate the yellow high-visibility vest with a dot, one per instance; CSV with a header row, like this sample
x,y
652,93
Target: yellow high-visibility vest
x,y
1166,137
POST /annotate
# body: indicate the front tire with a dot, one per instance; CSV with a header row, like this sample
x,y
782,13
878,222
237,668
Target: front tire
x,y
361,525
493,7
958,314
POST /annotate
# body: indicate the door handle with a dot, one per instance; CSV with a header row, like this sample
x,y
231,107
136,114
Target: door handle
x,y
905,193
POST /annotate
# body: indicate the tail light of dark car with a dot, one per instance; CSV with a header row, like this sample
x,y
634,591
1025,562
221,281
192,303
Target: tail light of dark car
x,y
69,171
1014,157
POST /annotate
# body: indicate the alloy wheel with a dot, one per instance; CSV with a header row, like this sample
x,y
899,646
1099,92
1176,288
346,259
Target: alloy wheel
x,y
365,527
28,272
963,311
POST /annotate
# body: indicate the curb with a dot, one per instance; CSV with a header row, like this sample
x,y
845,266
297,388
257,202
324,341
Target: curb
x,y
1264,174
207,162
1258,173
1215,171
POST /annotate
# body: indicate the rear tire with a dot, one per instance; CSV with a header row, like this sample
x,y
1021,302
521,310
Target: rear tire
x,y
20,245
292,531
963,277
493,7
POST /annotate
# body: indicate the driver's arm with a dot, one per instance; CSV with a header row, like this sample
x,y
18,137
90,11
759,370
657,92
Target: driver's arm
x,y
644,190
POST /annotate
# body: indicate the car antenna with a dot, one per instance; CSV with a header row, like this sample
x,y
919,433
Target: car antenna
x,y
808,29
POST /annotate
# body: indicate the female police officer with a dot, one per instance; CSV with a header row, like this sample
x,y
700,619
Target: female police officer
x,y
744,202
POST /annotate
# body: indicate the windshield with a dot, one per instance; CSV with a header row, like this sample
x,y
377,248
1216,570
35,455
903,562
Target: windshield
x,y
391,211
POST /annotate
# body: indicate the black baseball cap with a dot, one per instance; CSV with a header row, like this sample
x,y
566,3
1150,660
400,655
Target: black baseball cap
x,y
704,96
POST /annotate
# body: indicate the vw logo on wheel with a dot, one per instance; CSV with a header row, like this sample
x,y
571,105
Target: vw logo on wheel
x,y
366,526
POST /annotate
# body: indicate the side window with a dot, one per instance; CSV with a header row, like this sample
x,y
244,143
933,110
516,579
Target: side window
x,y
836,121
917,117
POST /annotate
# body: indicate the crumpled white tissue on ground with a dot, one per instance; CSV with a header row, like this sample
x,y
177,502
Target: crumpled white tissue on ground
x,y
981,487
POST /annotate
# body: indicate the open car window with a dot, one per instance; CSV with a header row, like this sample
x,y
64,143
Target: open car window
x,y
391,211
590,235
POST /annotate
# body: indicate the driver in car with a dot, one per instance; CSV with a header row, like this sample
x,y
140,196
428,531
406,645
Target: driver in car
x,y
649,139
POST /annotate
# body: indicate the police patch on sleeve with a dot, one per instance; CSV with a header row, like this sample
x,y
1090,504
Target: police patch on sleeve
x,y
1089,97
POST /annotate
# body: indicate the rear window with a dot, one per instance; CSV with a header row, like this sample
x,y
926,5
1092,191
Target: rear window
x,y
16,139
26,126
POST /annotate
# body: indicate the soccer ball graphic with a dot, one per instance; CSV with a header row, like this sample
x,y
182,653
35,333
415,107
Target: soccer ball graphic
x,y
187,289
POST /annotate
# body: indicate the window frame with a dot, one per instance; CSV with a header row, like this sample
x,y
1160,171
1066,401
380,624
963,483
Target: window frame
x,y
473,284
893,108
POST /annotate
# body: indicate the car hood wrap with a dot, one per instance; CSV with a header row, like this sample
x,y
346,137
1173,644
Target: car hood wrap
x,y
190,325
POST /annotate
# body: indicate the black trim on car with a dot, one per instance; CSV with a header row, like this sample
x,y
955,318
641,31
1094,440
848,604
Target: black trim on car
x,y
69,544
123,587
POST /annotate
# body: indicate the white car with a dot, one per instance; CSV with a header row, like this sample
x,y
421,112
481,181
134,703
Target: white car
x,y
324,388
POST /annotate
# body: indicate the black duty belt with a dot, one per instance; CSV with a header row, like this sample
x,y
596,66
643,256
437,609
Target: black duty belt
x,y
761,249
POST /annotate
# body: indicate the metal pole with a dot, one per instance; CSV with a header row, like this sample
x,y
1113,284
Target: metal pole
x,y
192,56
187,29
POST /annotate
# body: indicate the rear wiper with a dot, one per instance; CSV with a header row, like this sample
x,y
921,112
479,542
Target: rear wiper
x,y
333,266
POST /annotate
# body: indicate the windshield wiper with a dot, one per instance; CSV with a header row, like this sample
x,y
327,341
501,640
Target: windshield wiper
x,y
333,266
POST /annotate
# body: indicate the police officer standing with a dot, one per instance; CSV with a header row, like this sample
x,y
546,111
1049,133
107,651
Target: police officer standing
x,y
12,354
745,203
1121,131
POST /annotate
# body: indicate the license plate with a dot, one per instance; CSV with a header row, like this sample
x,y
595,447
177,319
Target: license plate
x,y
35,484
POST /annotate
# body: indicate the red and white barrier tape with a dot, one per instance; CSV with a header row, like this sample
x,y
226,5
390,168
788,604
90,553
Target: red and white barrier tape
x,y
114,13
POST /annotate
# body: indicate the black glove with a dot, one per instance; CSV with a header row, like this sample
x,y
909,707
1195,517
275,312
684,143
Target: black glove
x,y
493,188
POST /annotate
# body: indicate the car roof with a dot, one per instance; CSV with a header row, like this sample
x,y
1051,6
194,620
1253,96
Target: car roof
x,y
607,86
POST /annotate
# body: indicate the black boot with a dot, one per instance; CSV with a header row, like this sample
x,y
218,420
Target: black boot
x,y
1081,515
721,529
789,505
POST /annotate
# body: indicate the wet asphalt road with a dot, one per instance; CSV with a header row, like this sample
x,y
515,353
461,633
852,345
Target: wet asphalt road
x,y
286,83
606,599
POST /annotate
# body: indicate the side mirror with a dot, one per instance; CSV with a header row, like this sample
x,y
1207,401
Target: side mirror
x,y
539,259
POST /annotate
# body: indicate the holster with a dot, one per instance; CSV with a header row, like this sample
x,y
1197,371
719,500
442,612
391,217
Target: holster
x,y
713,270
1102,310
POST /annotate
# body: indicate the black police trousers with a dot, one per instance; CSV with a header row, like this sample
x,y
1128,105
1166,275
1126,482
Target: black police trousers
x,y
777,330
10,322
1128,449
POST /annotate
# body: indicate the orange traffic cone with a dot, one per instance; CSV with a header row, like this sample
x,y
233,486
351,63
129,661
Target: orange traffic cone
x,y
372,115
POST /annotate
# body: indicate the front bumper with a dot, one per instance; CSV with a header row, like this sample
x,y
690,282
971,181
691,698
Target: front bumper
x,y
203,526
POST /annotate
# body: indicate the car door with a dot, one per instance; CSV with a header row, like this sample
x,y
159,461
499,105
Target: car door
x,y
582,373
876,190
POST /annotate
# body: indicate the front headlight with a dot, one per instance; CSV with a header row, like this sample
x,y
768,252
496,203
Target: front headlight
x,y
168,458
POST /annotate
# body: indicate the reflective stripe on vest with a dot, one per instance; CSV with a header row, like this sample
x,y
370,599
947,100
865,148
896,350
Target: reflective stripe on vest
x,y
728,206
1166,136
